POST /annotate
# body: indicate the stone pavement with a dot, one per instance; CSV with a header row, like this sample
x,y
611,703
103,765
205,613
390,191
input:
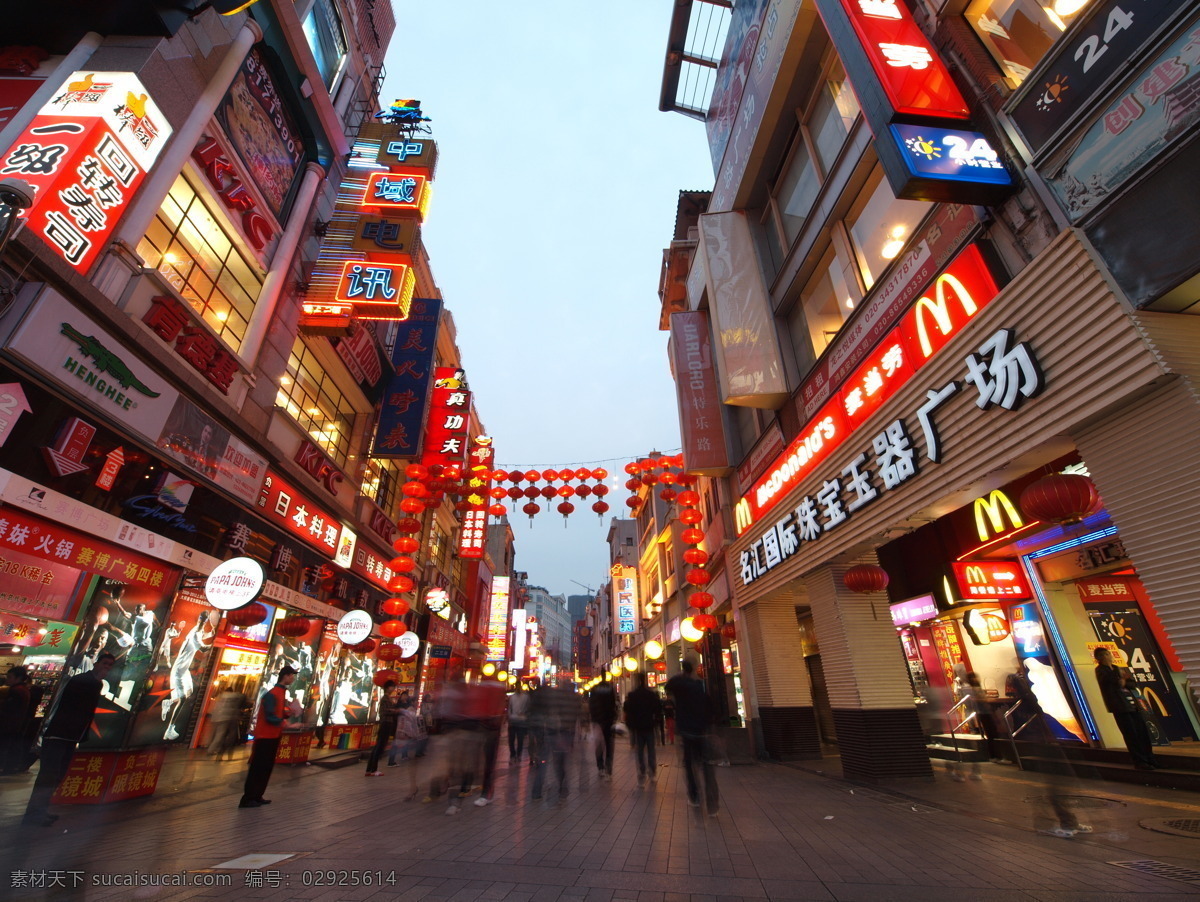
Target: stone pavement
x,y
782,833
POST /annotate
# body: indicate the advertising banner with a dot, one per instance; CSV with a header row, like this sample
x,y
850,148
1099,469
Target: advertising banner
x,y
404,401
449,419
700,418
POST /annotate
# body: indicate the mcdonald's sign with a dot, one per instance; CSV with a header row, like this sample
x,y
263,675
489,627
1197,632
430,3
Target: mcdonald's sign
x,y
991,512
990,579
959,292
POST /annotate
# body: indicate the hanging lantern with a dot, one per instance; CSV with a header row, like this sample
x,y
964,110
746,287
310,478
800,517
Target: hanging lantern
x,y
697,556
497,493
401,583
699,577
436,469
531,509
463,506
660,666
600,490
416,471
402,564
583,491
389,652
515,476
865,578
406,544
700,600
532,491
515,493
633,503
414,489
599,474
667,478
667,495
452,471
632,469
633,485
291,627
412,505
685,479
435,485
251,615
689,498
532,475
692,535
566,491
497,510
549,475
409,524
646,464
365,647
393,628
583,473
499,475
566,508
397,607
1062,498
705,622
601,508
649,479
690,516
549,491
432,504
729,632
689,630
383,677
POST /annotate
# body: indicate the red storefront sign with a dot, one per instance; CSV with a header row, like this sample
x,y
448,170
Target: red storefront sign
x,y
449,419
472,538
280,502
314,462
376,290
700,422
85,154
223,176
110,777
990,579
369,565
398,192
172,321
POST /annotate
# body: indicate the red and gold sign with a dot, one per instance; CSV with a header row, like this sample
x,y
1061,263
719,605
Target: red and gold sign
x,y
398,192
449,419
96,777
472,538
85,154
281,503
990,579
376,290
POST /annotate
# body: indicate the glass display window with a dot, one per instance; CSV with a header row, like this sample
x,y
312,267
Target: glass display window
x,y
880,226
312,399
1018,33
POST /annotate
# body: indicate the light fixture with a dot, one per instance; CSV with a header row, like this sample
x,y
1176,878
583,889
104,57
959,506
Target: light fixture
x,y
893,248
654,650
687,629
488,669
631,664
849,303
502,676
15,196
1068,7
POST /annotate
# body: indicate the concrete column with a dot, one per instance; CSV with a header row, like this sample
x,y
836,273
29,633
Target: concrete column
x,y
74,60
787,723
281,266
879,732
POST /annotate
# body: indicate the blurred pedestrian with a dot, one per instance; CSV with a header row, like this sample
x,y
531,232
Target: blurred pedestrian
x,y
518,714
489,705
554,715
642,711
14,718
693,718
410,731
660,720
268,729
68,726
226,718
668,705
602,708
1122,705
389,710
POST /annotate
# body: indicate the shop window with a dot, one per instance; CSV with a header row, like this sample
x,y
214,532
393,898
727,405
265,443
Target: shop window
x,y
833,114
1018,33
797,191
381,484
311,398
189,247
881,225
323,29
745,424
825,303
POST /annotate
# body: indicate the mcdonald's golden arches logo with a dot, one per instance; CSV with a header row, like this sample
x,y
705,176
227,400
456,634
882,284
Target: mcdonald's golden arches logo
x,y
991,511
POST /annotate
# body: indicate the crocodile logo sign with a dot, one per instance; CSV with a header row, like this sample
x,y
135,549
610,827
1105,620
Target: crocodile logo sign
x,y
106,361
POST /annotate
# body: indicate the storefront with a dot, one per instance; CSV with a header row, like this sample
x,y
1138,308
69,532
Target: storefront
x,y
975,389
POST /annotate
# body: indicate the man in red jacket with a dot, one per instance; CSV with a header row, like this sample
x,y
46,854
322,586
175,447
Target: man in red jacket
x,y
268,727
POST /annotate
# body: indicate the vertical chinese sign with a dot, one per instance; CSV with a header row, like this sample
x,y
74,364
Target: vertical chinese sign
x,y
473,537
495,640
85,154
700,408
625,592
449,419
402,410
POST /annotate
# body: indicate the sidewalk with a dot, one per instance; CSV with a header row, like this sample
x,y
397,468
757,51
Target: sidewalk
x,y
783,832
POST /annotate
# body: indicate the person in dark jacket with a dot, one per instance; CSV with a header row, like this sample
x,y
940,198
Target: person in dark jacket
x,y
693,716
67,727
643,711
602,706
389,712
14,716
1123,707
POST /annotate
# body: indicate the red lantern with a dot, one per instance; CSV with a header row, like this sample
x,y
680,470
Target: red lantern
x,y
416,471
646,464
412,505
497,510
660,666
402,564
401,583
649,479
397,607
633,484
432,504
697,556
409,524
566,491
600,490
667,495
1062,498
566,508
599,473
690,516
414,489
531,509
499,475
583,491
532,491
383,677
389,652
601,508
251,615
365,647
685,479
291,627
548,491
406,544
692,535
514,493
632,469
532,475
549,475
393,628
700,600
633,503
865,578
583,473
704,622
729,632
667,478
497,493
463,506
689,498
515,476
699,577
452,471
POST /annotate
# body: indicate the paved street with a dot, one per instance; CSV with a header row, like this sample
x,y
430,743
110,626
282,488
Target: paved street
x,y
782,833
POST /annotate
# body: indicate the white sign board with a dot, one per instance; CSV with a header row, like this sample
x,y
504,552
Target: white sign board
x,y
234,583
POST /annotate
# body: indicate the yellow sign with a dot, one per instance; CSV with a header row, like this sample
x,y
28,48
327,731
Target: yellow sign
x,y
992,510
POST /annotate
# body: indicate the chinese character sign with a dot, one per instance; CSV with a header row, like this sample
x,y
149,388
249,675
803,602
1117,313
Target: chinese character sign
x,y
449,419
280,503
990,579
398,192
402,410
376,290
700,407
496,638
625,592
85,154
478,476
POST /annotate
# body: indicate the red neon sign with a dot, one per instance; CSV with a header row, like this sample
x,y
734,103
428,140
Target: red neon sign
x,y
376,290
912,74
990,579
398,192
960,291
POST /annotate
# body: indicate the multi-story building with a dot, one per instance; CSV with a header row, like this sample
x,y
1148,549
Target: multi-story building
x,y
934,295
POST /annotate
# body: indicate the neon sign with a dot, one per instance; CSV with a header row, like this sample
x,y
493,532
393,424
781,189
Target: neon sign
x,y
990,579
398,192
376,290
944,154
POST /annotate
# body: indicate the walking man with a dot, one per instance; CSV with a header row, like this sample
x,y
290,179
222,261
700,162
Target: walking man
x,y
68,726
602,706
692,720
268,728
643,711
